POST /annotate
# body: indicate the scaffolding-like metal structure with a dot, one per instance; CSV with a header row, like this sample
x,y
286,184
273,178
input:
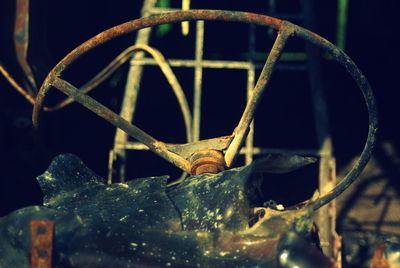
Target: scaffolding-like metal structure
x,y
326,216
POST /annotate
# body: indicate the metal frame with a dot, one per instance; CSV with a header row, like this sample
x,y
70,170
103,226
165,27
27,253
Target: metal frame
x,y
121,143
178,154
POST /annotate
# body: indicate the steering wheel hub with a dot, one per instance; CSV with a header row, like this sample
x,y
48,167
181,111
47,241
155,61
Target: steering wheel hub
x,y
207,161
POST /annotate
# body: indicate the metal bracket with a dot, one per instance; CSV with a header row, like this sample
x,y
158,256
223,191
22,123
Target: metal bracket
x,y
41,243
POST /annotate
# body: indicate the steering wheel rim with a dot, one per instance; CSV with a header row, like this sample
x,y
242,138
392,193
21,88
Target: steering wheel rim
x,y
231,143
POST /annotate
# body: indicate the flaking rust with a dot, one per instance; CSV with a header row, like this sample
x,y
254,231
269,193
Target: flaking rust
x,y
41,243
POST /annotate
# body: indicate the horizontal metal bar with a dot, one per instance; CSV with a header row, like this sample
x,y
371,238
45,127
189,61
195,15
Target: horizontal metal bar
x,y
193,63
256,150
260,150
241,65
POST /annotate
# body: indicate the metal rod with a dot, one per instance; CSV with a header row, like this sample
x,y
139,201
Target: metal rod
x,y
251,73
215,64
14,83
242,129
185,24
21,42
131,93
259,150
156,146
250,137
255,150
370,101
326,216
341,23
198,78
219,64
282,16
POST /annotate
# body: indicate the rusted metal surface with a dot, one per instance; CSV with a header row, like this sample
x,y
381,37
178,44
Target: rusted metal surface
x,y
207,161
21,42
15,84
41,243
379,259
285,29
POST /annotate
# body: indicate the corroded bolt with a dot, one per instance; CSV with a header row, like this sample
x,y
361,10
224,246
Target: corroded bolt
x,y
207,161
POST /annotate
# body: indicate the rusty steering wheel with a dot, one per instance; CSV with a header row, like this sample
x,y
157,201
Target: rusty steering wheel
x,y
218,153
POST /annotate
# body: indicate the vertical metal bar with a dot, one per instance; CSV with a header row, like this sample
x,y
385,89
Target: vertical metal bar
x,y
21,42
250,86
185,24
130,97
198,78
341,24
112,157
383,214
326,216
271,12
250,138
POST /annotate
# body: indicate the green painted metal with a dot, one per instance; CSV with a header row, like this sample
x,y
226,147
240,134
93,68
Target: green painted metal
x,y
341,24
164,29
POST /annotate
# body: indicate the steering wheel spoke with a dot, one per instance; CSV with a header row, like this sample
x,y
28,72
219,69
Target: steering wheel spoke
x,y
241,131
156,146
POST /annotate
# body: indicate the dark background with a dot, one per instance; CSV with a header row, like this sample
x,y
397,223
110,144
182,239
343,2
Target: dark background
x,y
284,121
